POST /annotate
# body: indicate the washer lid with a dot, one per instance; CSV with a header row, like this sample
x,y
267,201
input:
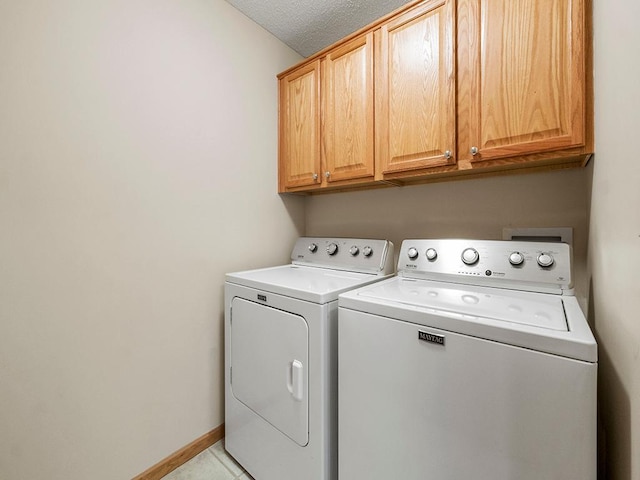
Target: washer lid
x,y
543,322
542,311
313,284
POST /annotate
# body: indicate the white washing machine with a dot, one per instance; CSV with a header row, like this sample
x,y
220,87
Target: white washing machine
x,y
281,356
475,362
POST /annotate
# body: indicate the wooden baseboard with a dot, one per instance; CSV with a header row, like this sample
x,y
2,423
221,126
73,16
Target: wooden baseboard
x,y
183,455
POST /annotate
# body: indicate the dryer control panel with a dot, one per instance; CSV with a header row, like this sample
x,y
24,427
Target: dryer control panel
x,y
353,254
519,265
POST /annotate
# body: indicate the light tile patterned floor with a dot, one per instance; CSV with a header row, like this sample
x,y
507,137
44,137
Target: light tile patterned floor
x,y
212,464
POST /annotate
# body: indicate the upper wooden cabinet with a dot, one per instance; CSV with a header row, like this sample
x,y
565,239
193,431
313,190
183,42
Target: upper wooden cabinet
x,y
415,89
442,88
348,111
521,78
299,128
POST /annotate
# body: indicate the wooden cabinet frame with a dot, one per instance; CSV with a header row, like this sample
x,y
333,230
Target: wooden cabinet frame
x,y
511,78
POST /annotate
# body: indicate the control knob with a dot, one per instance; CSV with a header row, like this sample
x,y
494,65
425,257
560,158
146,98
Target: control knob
x,y
354,250
313,248
545,260
431,254
516,259
332,249
412,253
367,251
470,256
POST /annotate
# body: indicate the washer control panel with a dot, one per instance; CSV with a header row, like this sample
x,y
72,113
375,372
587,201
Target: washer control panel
x,y
534,266
354,254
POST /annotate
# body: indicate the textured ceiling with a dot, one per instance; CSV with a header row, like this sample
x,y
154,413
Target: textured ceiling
x,y
308,26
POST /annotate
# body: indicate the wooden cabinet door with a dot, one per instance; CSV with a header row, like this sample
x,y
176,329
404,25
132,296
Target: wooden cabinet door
x,y
521,77
299,137
348,110
415,89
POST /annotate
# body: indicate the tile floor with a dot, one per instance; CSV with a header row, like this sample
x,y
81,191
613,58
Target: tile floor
x,y
212,464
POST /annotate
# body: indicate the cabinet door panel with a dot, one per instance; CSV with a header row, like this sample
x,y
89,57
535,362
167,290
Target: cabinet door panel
x,y
415,96
300,127
348,114
525,67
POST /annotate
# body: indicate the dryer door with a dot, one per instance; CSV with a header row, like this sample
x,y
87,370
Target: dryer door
x,y
269,366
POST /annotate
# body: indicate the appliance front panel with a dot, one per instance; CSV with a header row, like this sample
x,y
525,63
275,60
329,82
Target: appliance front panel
x,y
532,266
270,365
351,254
417,402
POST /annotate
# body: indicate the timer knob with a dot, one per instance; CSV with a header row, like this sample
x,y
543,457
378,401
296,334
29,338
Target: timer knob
x,y
516,259
412,253
332,249
313,248
367,251
431,254
470,256
354,250
545,260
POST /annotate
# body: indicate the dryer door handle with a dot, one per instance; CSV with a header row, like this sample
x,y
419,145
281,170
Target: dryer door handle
x,y
295,380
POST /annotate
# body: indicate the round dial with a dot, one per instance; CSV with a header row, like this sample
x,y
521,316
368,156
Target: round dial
x,y
313,248
412,253
545,260
332,249
470,256
431,254
516,258
354,250
367,251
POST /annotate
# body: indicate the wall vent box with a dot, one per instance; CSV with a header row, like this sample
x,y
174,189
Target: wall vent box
x,y
552,234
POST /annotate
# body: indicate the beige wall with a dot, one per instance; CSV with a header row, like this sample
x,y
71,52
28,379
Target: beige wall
x,y
614,241
138,144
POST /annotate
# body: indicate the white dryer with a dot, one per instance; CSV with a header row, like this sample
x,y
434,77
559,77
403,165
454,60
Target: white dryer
x,y
475,362
281,356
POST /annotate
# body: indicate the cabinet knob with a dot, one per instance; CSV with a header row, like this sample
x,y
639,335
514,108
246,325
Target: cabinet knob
x,y
315,176
327,174
474,150
447,154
